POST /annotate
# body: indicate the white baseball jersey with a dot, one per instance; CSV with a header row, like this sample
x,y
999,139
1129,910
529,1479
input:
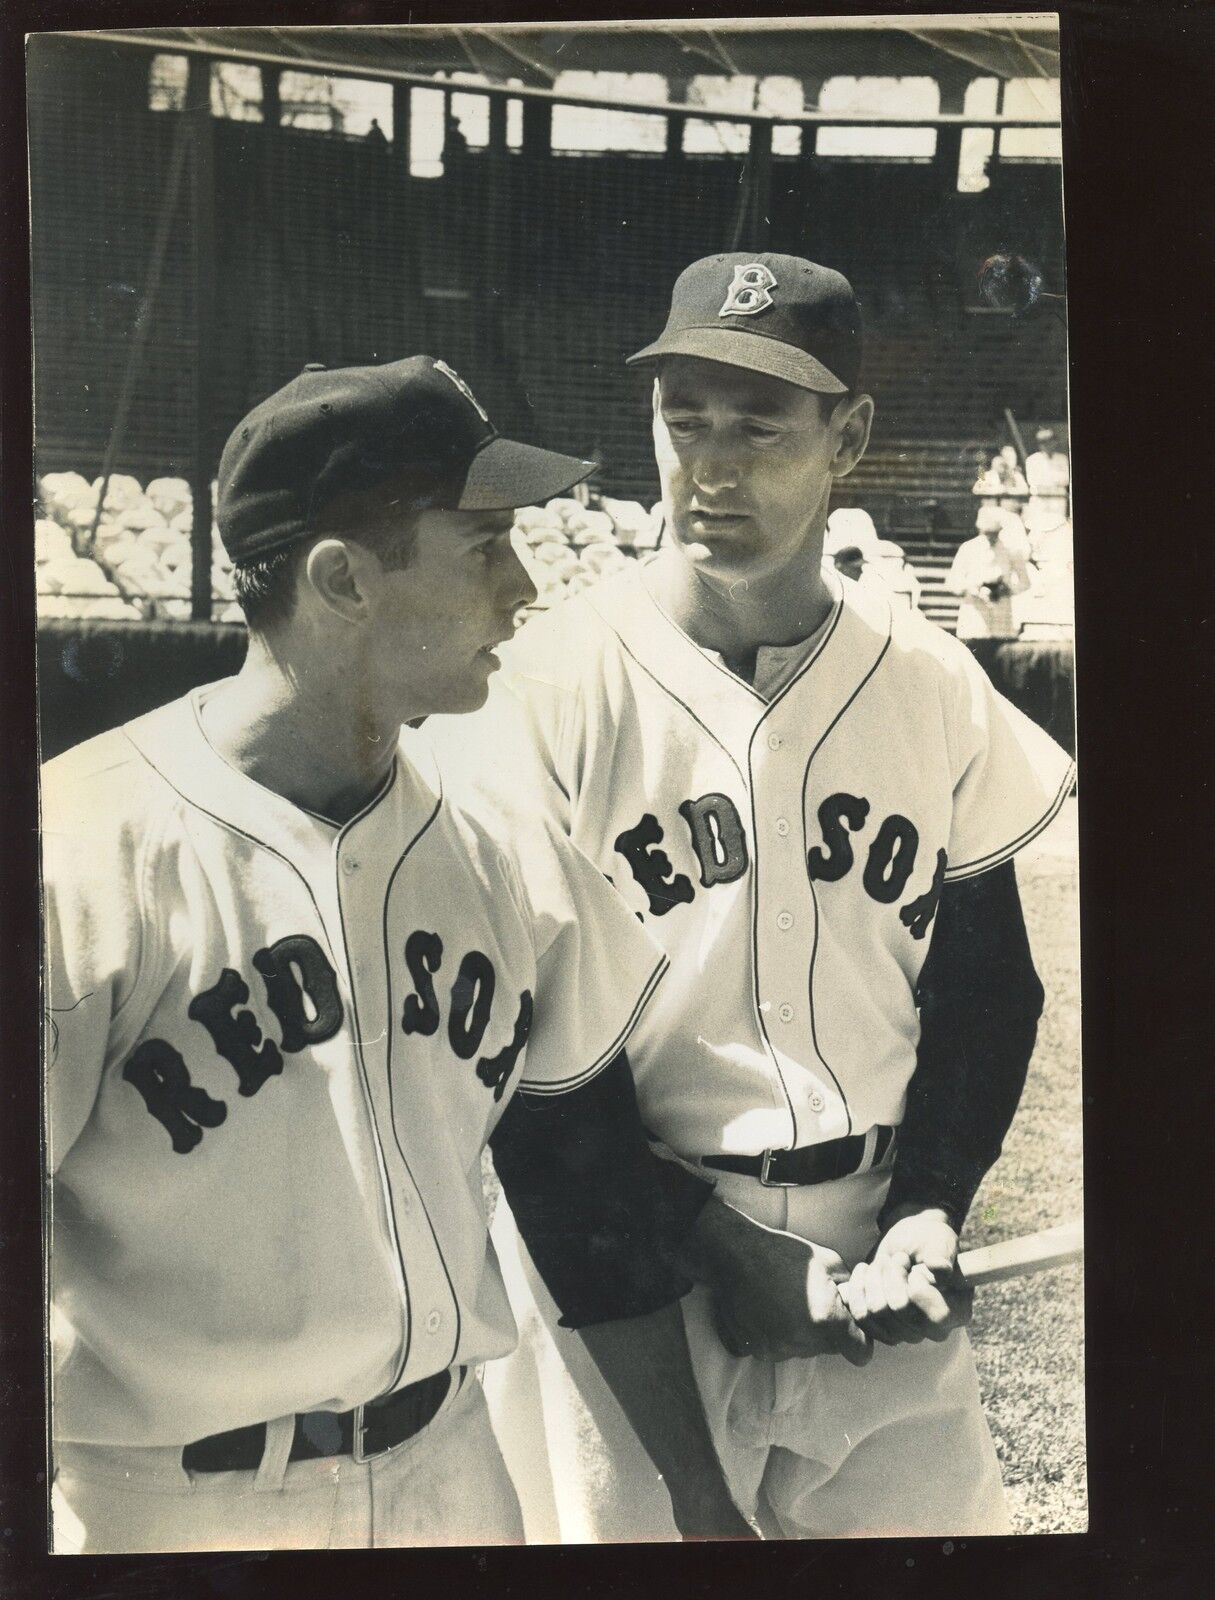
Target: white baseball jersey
x,y
276,1050
788,854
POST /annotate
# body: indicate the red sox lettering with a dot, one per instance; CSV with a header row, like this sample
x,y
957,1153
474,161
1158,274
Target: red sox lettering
x,y
720,846
301,990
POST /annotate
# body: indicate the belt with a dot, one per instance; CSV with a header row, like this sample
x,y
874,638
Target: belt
x,y
369,1430
813,1163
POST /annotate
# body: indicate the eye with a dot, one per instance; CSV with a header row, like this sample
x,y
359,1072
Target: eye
x,y
491,545
681,427
761,433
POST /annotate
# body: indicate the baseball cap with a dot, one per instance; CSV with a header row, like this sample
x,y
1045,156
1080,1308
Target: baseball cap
x,y
769,313
349,429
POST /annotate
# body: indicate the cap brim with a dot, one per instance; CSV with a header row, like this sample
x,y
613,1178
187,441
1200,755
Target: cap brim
x,y
505,474
731,347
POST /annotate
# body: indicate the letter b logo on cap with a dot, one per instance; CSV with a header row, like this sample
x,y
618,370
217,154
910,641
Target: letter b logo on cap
x,y
749,291
449,372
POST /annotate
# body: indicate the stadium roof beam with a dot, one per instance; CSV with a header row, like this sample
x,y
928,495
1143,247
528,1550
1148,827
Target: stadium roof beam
x,y
535,55
260,47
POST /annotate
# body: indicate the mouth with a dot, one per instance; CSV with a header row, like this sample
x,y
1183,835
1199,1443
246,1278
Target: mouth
x,y
715,522
488,651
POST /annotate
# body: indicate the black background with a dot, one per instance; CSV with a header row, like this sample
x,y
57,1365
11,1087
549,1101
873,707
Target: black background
x,y
1139,146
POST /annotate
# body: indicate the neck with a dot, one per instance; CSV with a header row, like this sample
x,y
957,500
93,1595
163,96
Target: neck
x,y
736,619
308,735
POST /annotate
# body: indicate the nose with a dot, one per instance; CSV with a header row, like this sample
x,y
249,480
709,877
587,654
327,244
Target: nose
x,y
715,467
522,590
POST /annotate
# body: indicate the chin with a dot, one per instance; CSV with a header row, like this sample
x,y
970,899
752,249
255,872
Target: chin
x,y
470,696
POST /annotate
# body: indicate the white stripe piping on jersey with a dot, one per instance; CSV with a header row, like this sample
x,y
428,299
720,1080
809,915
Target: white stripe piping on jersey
x,y
612,1051
972,869
837,613
392,1114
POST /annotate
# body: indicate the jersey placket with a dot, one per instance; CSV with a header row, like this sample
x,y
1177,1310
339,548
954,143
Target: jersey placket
x,y
785,927
428,1305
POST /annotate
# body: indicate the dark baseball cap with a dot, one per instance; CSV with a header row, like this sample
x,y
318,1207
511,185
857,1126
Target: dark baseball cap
x,y
769,313
414,423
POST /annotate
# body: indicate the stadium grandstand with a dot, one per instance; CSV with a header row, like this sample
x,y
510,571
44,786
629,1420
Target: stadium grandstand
x,y
214,207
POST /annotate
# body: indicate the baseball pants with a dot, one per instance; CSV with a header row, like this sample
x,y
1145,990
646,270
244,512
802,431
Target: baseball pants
x,y
811,1449
445,1486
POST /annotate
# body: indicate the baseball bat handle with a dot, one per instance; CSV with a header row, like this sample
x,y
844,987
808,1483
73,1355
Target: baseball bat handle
x,y
1017,1258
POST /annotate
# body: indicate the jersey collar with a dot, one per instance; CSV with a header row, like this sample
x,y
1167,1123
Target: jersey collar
x,y
172,741
730,710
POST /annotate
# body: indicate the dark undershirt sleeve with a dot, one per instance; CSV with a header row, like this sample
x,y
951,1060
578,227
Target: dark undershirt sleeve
x,y
590,1201
980,1000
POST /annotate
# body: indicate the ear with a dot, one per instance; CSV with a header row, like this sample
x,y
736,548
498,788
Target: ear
x,y
664,450
854,424
337,574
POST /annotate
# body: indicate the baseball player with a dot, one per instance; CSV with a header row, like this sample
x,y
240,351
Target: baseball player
x,y
812,798
292,994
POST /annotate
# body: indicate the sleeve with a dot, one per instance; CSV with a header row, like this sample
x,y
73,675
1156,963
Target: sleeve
x,y
1010,777
92,954
959,571
596,968
980,1000
578,1175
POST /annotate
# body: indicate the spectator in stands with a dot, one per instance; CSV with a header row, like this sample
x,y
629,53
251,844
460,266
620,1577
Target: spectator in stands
x,y
1047,611
852,546
1014,533
375,136
850,561
1007,468
986,574
1002,477
897,573
1047,469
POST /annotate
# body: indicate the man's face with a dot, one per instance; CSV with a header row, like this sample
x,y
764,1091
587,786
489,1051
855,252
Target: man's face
x,y
746,464
434,622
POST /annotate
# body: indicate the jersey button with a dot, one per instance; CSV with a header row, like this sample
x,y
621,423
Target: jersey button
x,y
785,1013
785,921
349,865
433,1322
774,741
782,826
817,1103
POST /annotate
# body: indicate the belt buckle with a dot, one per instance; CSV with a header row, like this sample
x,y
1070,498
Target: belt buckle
x,y
358,1428
765,1167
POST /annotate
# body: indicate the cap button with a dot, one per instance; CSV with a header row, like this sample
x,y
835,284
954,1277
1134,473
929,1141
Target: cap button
x,y
315,366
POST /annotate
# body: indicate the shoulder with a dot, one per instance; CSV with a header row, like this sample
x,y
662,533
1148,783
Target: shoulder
x,y
103,781
467,825
562,643
923,652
